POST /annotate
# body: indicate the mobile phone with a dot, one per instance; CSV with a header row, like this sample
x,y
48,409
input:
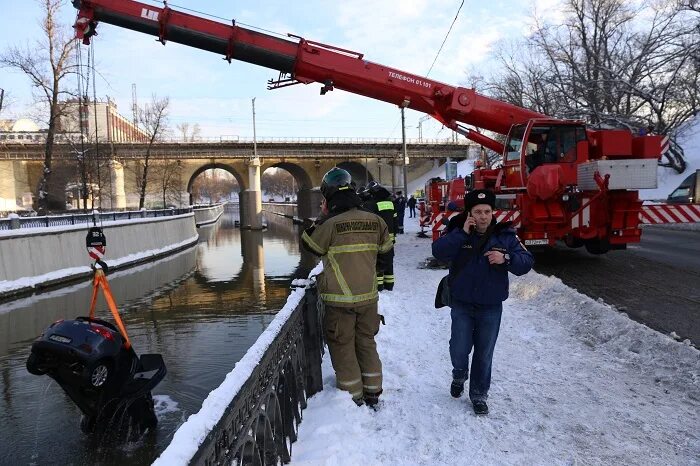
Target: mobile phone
x,y
469,227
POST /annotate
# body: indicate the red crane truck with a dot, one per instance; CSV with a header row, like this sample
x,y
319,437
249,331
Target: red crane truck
x,y
563,180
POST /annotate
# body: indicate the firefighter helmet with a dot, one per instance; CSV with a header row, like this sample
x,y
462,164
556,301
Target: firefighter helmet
x,y
376,191
335,179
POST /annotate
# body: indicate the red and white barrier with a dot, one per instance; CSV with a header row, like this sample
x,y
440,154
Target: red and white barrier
x,y
670,213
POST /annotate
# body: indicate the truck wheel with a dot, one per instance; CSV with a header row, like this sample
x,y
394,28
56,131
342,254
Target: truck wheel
x,y
33,365
573,242
597,246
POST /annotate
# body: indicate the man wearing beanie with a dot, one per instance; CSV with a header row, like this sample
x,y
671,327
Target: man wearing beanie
x,y
481,252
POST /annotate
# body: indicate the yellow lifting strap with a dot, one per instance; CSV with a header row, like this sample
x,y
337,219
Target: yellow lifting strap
x,y
100,281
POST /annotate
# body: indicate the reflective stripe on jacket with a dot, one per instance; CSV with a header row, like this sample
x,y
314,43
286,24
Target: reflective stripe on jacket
x,y
349,243
385,209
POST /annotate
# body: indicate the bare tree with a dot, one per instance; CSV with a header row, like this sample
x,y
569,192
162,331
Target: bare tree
x,y
186,134
4,100
213,186
46,64
153,121
612,64
277,182
184,129
168,175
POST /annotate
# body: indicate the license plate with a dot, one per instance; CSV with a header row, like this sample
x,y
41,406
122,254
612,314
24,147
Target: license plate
x,y
537,242
60,339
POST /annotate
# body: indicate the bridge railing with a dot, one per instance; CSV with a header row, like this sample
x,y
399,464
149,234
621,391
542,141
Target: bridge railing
x,y
268,390
86,219
309,140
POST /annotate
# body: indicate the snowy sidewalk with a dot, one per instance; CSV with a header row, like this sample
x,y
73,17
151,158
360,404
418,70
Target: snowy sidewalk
x,y
574,382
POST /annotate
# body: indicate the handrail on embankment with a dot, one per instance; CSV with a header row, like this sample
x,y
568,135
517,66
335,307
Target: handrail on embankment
x,y
85,218
253,416
34,259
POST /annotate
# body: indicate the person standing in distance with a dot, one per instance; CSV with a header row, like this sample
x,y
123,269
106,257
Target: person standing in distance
x,y
400,207
349,239
481,252
411,203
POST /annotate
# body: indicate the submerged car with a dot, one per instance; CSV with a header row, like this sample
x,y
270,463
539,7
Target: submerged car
x,y
94,364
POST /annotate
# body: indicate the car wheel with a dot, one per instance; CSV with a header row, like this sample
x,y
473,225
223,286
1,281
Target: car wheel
x,y
33,365
99,373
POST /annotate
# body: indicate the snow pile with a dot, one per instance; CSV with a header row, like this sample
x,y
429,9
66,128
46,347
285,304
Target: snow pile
x,y
574,382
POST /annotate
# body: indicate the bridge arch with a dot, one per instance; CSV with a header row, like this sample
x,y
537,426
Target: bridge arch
x,y
211,166
359,173
301,176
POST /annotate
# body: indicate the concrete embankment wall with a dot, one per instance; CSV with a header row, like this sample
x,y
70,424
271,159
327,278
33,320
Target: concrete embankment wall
x,y
38,258
207,215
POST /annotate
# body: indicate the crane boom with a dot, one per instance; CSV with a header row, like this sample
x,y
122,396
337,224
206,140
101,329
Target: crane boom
x,y
299,60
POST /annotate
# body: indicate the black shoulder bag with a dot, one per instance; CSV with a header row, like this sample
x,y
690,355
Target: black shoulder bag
x,y
443,294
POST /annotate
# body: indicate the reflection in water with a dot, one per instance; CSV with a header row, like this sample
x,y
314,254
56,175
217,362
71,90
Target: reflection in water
x,y
201,309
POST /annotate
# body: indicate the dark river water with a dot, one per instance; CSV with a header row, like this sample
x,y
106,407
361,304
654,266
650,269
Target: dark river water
x,y
201,309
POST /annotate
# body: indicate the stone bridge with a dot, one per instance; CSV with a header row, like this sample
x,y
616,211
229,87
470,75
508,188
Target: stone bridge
x,y
305,159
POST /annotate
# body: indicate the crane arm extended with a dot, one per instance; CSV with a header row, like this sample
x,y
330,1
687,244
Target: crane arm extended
x,y
305,61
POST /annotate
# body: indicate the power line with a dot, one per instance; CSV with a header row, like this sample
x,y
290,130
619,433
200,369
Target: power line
x,y
445,39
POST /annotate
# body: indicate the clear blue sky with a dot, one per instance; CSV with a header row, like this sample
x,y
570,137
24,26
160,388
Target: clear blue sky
x,y
204,89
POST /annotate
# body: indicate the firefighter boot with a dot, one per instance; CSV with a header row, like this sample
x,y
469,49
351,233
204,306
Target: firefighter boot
x,y
372,399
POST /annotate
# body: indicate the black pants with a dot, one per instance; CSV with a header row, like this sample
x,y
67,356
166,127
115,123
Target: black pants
x,y
385,272
411,212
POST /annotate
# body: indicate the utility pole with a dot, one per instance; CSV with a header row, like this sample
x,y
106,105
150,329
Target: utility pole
x,y
134,105
405,153
2,97
421,120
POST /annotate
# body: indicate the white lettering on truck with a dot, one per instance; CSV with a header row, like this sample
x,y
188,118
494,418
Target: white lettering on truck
x,y
410,79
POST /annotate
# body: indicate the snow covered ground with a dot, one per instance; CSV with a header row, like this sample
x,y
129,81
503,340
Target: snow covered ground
x,y
574,382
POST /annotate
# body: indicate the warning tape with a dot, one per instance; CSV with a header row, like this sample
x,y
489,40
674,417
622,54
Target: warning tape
x,y
669,213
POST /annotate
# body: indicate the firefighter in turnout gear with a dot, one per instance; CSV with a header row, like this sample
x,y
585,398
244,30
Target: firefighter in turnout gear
x,y
377,199
349,239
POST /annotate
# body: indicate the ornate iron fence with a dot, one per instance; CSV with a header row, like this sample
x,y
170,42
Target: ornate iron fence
x,y
78,219
261,423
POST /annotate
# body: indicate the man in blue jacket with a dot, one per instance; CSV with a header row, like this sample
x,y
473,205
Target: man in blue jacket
x,y
481,252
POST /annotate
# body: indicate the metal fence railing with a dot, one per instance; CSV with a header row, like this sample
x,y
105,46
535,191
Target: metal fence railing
x,y
85,219
261,422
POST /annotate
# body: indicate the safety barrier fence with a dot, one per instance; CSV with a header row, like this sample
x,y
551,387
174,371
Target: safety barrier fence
x,y
261,422
78,219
